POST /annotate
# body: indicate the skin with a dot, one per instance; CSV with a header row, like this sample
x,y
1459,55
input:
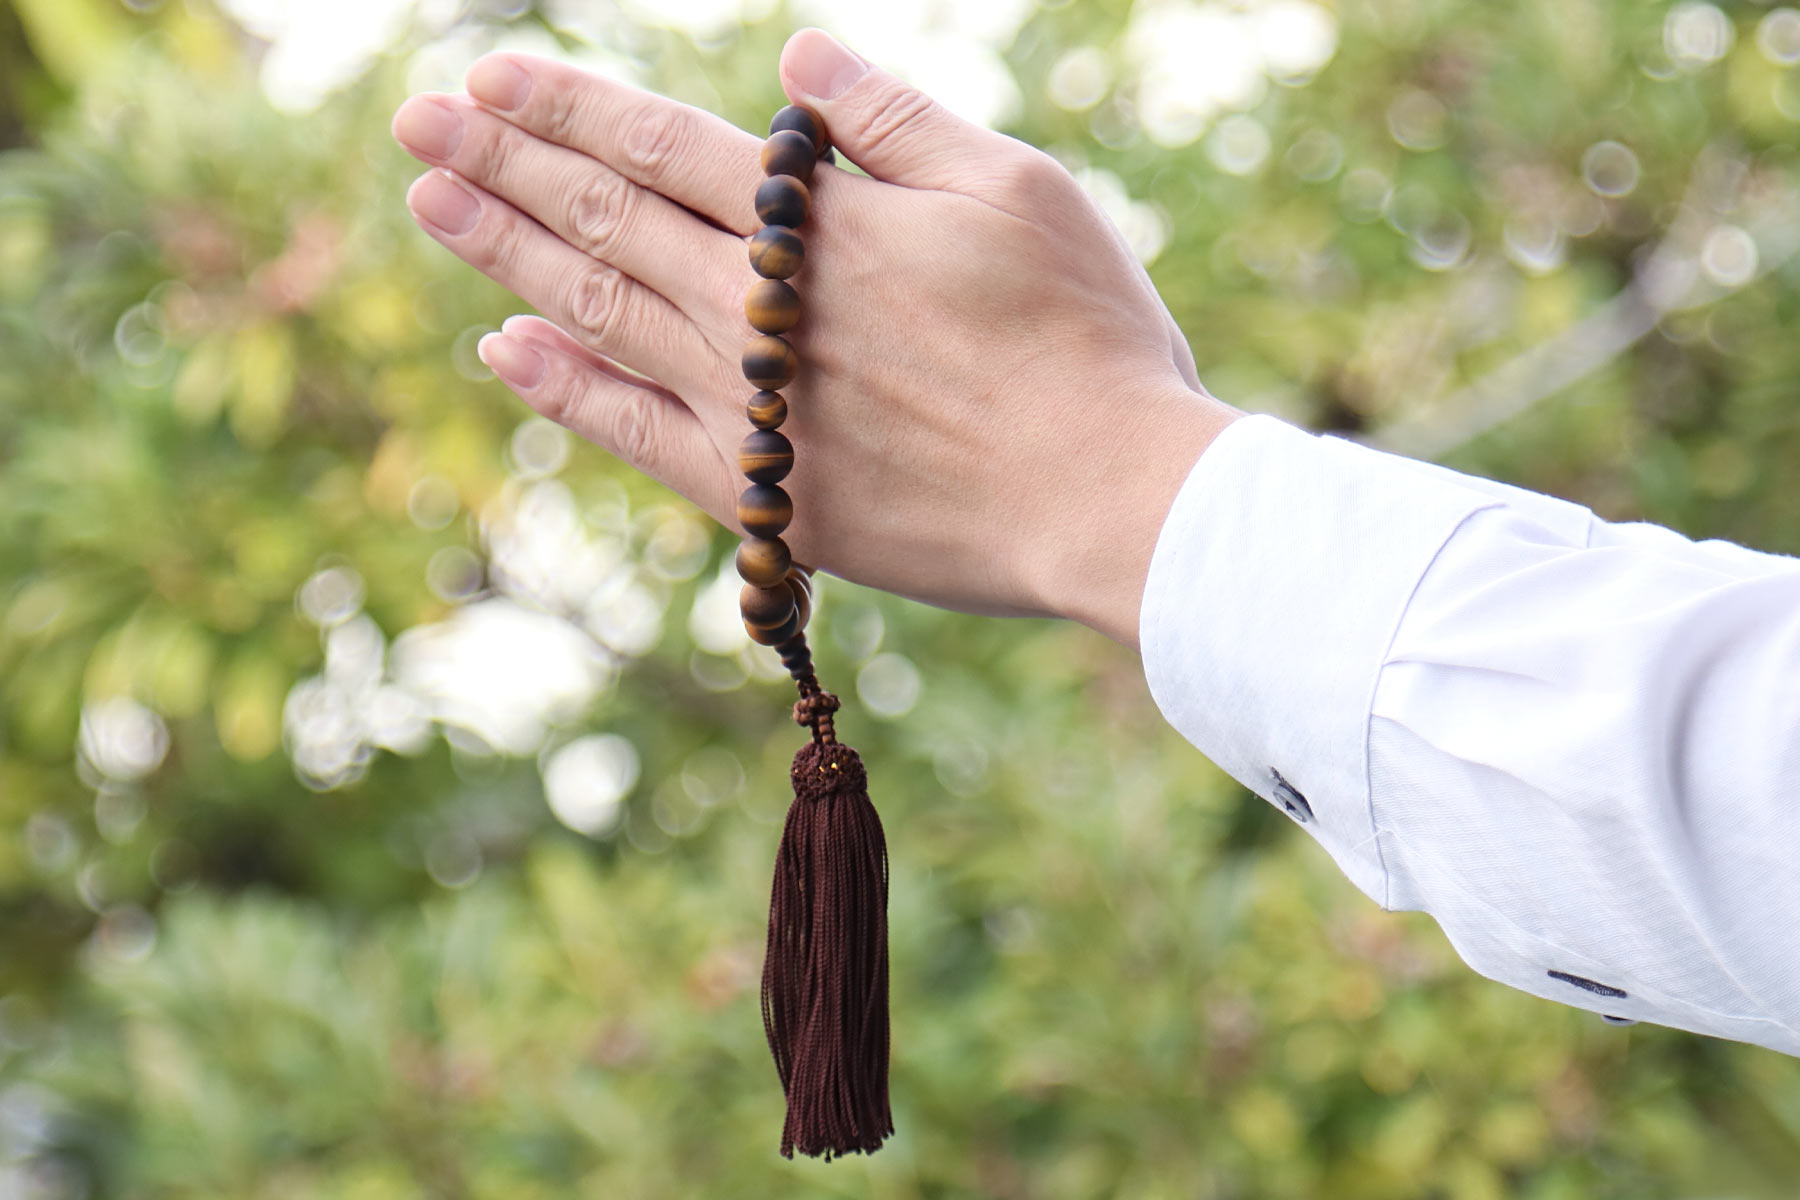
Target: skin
x,y
994,410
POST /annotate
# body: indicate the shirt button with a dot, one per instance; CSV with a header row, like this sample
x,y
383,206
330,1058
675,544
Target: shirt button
x,y
1612,1020
1291,799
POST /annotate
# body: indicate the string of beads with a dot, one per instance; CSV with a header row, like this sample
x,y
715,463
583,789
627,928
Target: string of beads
x,y
777,596
825,969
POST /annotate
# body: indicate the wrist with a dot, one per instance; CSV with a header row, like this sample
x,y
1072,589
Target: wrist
x,y
1095,568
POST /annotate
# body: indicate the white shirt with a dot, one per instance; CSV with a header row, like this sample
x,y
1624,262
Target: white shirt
x,y
1576,744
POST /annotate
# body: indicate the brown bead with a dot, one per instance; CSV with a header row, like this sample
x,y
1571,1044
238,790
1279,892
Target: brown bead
x,y
776,252
765,608
764,510
772,306
766,456
789,152
777,635
763,561
801,587
802,119
769,362
783,200
766,410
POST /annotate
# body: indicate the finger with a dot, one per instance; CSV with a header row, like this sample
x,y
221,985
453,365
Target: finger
x,y
534,328
725,422
887,127
696,159
596,302
584,202
649,428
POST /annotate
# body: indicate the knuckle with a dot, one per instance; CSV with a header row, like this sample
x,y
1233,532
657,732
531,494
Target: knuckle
x,y
653,141
635,432
1027,180
599,212
491,246
556,400
892,115
560,111
489,154
595,306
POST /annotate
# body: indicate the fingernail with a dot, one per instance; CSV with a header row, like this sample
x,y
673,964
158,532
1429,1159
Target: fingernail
x,y
439,200
428,127
516,363
821,66
499,83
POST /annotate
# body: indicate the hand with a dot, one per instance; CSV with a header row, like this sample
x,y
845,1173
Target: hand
x,y
994,410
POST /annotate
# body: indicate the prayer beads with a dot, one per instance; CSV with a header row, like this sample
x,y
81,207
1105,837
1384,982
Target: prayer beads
x,y
825,972
776,252
777,597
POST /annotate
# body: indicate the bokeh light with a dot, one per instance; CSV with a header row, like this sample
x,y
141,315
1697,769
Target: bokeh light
x,y
122,739
587,780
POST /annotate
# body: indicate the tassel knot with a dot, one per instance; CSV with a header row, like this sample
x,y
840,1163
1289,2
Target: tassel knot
x,y
825,973
814,709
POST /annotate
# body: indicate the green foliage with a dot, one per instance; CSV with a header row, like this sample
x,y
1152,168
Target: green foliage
x,y
252,466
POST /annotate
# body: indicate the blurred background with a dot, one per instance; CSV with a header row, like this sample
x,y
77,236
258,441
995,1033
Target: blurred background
x,y
388,793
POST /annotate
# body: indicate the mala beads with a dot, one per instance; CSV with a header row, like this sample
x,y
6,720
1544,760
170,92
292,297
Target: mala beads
x,y
825,970
771,601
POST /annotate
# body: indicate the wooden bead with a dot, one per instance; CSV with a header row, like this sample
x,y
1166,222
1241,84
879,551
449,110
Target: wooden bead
x,y
764,510
776,252
766,608
777,635
770,363
766,410
801,119
788,152
783,200
772,306
763,561
766,456
801,587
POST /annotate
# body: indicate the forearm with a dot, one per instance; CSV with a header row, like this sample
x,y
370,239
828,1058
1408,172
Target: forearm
x,y
1569,742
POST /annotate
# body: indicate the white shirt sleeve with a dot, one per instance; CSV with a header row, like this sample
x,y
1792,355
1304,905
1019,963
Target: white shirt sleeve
x,y
1575,744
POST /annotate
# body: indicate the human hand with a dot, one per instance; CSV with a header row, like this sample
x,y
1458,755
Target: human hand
x,y
994,409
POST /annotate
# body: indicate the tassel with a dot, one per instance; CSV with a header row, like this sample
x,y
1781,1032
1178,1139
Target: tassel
x,y
825,973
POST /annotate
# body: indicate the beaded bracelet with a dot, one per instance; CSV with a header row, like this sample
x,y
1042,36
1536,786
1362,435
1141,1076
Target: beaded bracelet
x,y
825,970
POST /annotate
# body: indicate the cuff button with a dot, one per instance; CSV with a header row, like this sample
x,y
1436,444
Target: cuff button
x,y
1291,799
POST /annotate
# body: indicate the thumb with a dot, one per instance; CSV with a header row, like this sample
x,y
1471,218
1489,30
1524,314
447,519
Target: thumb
x,y
887,127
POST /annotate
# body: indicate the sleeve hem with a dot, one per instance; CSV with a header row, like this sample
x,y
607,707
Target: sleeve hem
x,y
1276,586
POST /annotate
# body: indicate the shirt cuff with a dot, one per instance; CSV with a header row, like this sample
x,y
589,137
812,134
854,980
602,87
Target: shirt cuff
x,y
1278,580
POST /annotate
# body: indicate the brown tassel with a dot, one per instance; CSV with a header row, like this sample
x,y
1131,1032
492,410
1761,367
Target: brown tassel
x,y
825,974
